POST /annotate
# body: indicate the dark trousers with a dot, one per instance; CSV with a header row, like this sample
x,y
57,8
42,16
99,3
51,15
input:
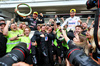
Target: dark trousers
x,y
65,50
41,59
33,50
50,55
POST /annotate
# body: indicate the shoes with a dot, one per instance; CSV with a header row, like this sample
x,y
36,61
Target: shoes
x,y
34,60
44,53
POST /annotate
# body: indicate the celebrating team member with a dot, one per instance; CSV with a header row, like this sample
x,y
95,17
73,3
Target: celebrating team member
x,y
72,21
10,34
32,22
42,38
25,38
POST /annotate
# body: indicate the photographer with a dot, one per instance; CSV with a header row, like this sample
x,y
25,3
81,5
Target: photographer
x,y
32,22
3,39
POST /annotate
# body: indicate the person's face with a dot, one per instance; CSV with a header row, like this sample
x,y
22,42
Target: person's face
x,y
47,27
2,21
49,30
2,27
35,16
38,27
20,25
72,14
88,34
43,29
27,32
75,40
84,25
13,27
78,30
23,26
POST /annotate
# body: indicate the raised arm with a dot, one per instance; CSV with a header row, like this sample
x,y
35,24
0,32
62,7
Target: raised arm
x,y
20,18
41,19
62,19
5,31
65,23
92,24
16,37
55,25
88,19
65,36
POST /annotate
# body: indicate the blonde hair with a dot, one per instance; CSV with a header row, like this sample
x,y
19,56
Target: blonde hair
x,y
83,44
92,39
26,28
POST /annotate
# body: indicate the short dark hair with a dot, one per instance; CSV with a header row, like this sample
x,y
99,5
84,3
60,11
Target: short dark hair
x,y
79,26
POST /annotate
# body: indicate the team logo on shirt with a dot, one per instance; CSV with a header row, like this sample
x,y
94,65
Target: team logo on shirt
x,y
72,23
34,23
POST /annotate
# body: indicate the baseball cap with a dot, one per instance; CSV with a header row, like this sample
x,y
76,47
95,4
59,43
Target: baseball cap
x,y
58,22
73,10
1,18
35,12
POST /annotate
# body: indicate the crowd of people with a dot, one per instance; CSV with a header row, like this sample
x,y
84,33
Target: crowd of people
x,y
49,43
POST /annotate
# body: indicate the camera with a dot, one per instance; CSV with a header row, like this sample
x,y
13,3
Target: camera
x,y
78,58
18,53
91,3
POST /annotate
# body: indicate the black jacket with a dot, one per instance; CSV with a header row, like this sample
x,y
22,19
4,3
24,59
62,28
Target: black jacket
x,y
31,21
50,39
3,42
36,37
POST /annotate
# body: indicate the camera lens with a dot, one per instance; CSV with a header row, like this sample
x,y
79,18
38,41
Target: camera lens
x,y
18,53
78,58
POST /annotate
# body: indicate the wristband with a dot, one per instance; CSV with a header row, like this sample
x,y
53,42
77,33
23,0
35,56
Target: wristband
x,y
18,35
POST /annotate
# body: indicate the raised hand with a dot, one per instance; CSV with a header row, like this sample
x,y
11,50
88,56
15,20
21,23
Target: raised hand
x,y
41,14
